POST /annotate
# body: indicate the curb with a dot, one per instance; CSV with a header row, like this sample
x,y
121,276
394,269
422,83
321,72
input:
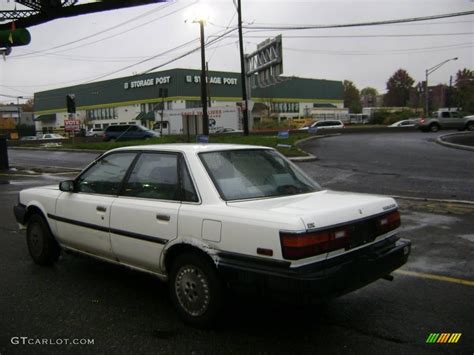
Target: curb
x,y
59,149
309,157
440,141
426,199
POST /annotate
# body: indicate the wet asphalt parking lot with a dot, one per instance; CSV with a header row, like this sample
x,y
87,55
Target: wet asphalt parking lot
x,y
126,312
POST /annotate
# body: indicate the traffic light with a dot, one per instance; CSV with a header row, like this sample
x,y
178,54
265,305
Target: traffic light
x,y
71,103
14,37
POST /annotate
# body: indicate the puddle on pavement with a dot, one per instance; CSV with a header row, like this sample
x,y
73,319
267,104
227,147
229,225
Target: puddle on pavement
x,y
468,237
418,220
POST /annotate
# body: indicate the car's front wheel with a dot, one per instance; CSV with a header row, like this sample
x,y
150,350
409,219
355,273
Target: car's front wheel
x,y
470,126
195,289
43,248
434,127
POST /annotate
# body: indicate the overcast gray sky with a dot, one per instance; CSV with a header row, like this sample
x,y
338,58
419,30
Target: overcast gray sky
x,y
366,55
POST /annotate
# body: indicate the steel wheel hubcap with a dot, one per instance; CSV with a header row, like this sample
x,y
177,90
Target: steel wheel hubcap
x,y
192,290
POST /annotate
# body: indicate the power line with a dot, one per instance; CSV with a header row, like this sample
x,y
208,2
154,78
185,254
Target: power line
x,y
226,28
15,97
383,52
94,59
437,23
218,38
28,55
365,36
101,85
359,24
142,61
98,33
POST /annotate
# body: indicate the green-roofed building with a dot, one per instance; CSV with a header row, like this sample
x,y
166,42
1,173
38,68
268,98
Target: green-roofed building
x,y
139,99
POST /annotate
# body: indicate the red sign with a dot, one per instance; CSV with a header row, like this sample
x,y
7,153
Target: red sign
x,y
72,125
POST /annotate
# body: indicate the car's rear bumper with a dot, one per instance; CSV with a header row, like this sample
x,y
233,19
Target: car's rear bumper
x,y
322,280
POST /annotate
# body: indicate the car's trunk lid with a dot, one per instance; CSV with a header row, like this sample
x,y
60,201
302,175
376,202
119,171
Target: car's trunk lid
x,y
324,208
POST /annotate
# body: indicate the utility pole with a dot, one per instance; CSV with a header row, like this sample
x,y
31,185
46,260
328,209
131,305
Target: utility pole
x,y
243,73
449,95
18,109
208,86
163,93
205,117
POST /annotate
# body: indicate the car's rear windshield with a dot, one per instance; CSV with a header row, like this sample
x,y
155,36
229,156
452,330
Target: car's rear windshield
x,y
255,173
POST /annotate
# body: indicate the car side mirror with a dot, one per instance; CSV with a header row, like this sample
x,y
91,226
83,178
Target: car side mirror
x,y
67,186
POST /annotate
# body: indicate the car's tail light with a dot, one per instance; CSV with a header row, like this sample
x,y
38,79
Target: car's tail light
x,y
299,246
388,222
296,246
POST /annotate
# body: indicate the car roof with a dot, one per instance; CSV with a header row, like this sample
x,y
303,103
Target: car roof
x,y
191,147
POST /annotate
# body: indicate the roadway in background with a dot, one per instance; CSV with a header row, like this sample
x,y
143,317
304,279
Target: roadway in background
x,y
408,164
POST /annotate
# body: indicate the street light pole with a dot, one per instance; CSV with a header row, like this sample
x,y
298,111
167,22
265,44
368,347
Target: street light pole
x,y
428,72
205,117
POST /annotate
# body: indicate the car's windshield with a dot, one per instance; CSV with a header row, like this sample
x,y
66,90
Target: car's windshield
x,y
255,173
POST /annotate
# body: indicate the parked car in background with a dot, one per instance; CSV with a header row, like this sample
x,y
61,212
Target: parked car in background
x,y
28,138
404,123
327,124
223,130
445,120
49,136
212,217
128,132
95,132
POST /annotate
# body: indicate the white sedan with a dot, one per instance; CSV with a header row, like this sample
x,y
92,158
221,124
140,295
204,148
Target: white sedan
x,y
403,123
50,136
326,124
207,217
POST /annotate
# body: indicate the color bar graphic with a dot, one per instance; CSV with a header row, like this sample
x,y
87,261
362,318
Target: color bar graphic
x,y
443,338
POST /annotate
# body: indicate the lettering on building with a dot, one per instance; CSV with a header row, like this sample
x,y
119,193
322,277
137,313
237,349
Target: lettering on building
x,y
217,80
147,82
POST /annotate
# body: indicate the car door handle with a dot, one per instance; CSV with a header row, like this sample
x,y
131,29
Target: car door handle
x,y
163,217
101,208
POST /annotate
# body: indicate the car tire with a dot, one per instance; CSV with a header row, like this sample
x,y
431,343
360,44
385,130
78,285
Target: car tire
x,y
195,289
43,248
434,127
470,126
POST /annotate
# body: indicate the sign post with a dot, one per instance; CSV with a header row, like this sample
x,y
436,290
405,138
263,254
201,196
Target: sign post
x,y
72,125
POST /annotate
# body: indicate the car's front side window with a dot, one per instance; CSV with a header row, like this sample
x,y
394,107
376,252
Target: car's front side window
x,y
255,173
105,176
154,176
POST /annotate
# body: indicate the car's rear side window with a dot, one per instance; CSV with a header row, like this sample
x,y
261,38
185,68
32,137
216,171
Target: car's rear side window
x,y
155,176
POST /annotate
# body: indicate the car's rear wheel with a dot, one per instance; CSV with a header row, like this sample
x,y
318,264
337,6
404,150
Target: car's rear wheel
x,y
434,127
195,289
470,126
43,248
